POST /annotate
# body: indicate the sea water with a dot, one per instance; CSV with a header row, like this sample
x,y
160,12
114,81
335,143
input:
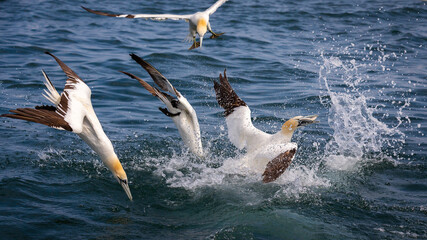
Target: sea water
x,y
358,174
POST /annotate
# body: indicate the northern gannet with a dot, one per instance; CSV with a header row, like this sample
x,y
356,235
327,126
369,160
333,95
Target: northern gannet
x,y
270,154
73,112
179,109
199,21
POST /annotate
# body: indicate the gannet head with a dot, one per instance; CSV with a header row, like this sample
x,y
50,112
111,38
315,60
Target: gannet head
x,y
299,121
119,173
202,27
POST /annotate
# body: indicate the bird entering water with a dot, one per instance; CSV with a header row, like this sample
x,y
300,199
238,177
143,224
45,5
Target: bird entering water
x,y
198,22
270,154
73,112
179,109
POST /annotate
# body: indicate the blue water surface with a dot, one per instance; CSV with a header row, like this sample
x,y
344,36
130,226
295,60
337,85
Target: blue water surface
x,y
359,174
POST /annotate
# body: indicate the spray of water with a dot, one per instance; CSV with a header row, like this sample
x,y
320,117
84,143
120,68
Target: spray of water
x,y
358,136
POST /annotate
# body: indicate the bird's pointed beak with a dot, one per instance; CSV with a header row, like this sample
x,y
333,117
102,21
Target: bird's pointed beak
x,y
201,41
125,186
304,121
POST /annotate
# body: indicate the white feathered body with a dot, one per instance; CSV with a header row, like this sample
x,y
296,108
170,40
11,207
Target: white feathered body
x,y
261,147
81,117
188,126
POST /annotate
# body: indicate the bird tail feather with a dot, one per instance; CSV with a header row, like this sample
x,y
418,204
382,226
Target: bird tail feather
x,y
51,93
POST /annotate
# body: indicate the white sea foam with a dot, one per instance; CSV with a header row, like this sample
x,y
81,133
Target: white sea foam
x,y
184,171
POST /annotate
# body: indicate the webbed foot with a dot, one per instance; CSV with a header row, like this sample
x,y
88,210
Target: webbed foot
x,y
215,35
195,45
167,113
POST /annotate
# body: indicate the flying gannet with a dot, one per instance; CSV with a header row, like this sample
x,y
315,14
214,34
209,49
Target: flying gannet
x,y
270,154
179,109
73,112
199,21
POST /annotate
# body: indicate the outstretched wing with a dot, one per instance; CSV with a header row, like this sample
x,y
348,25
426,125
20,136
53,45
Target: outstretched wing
x,y
215,6
278,165
45,115
241,131
146,16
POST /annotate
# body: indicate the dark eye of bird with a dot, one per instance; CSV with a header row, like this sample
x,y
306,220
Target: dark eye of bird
x,y
123,181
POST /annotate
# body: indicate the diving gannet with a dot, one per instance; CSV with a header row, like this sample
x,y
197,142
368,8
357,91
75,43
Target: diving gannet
x,y
73,112
179,109
199,21
267,153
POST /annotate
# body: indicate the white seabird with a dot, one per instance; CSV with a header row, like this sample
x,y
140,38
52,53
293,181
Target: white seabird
x,y
73,112
180,110
198,22
270,154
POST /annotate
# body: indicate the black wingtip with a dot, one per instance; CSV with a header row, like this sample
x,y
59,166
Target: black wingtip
x,y
142,62
46,107
8,115
129,74
87,9
50,54
136,57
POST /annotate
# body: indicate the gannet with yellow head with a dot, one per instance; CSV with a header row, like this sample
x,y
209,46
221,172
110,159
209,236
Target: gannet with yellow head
x,y
73,112
199,21
178,109
269,154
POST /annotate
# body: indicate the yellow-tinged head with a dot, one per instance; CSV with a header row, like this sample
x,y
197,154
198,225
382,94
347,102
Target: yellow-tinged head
x,y
202,27
299,121
290,126
120,174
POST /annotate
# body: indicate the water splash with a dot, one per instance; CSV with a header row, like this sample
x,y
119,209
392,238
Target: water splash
x,y
228,176
358,136
301,180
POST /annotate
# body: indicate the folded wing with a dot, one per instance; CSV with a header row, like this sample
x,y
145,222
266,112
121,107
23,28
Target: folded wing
x,y
179,109
278,165
51,94
166,99
75,99
68,113
157,77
